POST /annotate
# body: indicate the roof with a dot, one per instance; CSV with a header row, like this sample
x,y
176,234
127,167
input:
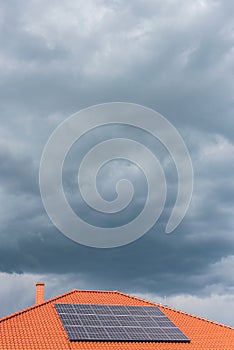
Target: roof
x,y
39,326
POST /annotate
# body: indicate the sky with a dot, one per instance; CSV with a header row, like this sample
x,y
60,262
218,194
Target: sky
x,y
174,56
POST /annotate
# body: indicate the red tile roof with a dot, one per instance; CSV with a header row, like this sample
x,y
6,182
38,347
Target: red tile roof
x,y
39,327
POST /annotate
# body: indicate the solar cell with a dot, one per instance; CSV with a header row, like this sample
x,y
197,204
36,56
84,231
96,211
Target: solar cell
x,y
153,311
91,322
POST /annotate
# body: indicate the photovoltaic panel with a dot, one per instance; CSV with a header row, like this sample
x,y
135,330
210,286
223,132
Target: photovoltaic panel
x,y
92,322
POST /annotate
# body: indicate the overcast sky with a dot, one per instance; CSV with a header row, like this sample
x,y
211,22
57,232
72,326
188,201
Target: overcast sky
x,y
175,56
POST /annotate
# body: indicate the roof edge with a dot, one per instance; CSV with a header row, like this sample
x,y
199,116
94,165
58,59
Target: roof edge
x,y
4,318
47,301
176,310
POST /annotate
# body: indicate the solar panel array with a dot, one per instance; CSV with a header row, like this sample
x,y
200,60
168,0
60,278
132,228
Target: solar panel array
x,y
94,322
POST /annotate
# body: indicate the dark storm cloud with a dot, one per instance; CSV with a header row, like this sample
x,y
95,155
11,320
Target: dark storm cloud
x,y
17,173
151,60
176,58
160,263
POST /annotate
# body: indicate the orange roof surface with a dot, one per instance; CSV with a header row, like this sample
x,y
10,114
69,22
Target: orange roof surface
x,y
39,326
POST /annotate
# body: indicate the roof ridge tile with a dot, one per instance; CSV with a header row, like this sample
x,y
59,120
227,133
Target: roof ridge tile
x,y
34,306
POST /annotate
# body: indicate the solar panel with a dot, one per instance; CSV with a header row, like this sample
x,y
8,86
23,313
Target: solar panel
x,y
92,322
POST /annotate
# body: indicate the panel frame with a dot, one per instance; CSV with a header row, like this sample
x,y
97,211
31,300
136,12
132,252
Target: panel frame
x,y
89,322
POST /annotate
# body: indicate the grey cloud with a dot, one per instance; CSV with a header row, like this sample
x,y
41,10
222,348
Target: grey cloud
x,y
176,58
17,173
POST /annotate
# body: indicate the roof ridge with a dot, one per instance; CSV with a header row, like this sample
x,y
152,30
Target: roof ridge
x,y
176,310
135,297
4,318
